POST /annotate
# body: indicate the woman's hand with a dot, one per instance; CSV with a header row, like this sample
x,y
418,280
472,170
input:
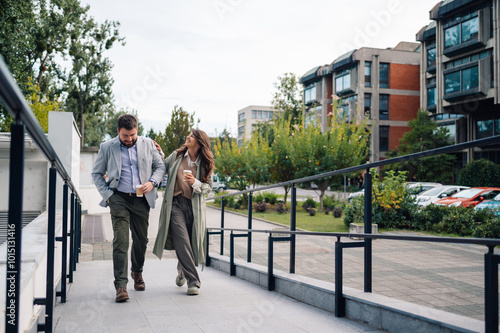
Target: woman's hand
x,y
157,146
189,178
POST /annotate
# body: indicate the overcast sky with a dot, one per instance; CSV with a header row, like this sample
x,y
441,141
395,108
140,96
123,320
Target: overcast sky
x,y
215,57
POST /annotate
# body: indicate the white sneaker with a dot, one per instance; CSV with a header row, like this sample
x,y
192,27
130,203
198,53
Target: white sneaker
x,y
180,281
192,290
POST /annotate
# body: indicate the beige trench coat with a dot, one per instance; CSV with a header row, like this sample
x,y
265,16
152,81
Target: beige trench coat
x,y
198,238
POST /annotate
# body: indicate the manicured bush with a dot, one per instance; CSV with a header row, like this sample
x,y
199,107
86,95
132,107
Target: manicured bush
x,y
260,207
259,197
309,203
270,197
354,212
480,173
311,211
280,207
337,212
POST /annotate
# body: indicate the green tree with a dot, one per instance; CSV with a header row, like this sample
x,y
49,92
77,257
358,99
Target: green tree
x,y
89,83
479,173
343,145
41,106
112,122
151,134
288,97
180,125
281,166
424,135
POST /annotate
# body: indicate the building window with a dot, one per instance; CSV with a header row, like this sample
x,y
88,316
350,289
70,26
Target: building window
x,y
462,32
384,75
310,93
241,117
383,106
431,97
383,138
485,128
241,130
368,105
343,82
451,127
254,114
348,106
431,57
462,80
368,73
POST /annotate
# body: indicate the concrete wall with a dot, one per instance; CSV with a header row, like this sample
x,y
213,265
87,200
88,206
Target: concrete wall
x,y
64,137
88,192
35,175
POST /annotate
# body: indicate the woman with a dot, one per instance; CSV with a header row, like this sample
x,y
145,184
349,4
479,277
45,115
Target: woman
x,y
182,217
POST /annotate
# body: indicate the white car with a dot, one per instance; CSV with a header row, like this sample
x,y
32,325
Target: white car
x,y
417,188
439,192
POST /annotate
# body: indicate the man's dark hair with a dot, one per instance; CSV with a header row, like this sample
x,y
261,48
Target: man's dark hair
x,y
127,121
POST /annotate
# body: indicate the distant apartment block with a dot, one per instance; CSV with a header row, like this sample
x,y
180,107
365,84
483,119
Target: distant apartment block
x,y
459,73
382,84
249,117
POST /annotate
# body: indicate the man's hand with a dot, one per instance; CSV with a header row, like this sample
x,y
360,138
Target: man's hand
x,y
147,187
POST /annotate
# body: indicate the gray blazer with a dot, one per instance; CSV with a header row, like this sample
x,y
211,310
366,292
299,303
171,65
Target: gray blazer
x,y
109,161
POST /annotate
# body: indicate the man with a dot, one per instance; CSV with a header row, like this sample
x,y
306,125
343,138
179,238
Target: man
x,y
127,161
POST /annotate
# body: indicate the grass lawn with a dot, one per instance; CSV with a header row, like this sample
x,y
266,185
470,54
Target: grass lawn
x,y
319,222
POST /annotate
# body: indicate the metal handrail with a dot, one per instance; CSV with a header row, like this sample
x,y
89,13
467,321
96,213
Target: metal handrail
x,y
25,120
491,260
14,101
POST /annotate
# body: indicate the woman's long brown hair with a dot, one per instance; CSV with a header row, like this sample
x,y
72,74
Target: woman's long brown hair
x,y
206,156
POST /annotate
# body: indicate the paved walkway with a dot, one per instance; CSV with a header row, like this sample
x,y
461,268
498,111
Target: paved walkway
x,y
442,276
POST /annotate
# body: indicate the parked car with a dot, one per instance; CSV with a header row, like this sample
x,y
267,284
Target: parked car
x,y
470,197
414,187
219,183
439,192
493,204
419,187
163,183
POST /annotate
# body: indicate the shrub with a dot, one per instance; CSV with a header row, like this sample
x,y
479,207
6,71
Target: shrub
x,y
488,229
258,198
309,203
480,173
311,211
427,217
354,211
459,221
270,197
260,207
280,207
337,212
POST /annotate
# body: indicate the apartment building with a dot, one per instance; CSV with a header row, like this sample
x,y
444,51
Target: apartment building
x,y
249,117
459,72
382,84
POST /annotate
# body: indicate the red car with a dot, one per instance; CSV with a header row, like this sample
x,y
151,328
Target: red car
x,y
470,197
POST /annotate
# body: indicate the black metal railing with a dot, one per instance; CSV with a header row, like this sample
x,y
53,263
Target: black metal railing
x,y
26,122
491,263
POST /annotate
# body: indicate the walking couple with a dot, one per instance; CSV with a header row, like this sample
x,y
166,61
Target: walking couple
x,y
129,164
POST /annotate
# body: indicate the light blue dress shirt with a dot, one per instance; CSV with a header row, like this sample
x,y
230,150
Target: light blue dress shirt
x,y
129,176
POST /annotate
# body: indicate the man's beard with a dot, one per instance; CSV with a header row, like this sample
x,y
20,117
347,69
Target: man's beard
x,y
128,144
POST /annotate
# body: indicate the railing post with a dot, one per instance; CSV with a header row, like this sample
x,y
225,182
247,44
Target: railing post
x,y
72,265
64,239
14,230
368,230
222,226
51,240
79,229
207,248
270,257
339,297
249,247
232,269
491,291
293,222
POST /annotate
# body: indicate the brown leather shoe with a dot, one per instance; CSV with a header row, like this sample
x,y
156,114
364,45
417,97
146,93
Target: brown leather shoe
x,y
121,295
139,284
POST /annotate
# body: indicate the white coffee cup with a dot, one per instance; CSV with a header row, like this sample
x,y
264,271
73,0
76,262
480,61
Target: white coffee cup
x,y
138,190
185,172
